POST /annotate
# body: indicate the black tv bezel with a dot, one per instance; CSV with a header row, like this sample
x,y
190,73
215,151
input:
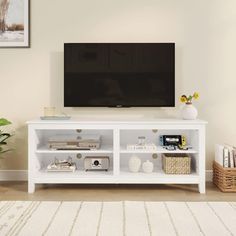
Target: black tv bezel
x,y
120,105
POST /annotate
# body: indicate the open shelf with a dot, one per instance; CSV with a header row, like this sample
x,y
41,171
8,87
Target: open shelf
x,y
78,176
103,149
158,150
77,173
158,176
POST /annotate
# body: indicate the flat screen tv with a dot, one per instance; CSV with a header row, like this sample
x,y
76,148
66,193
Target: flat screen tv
x,y
119,75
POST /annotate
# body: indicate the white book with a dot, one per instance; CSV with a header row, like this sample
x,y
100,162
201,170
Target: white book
x,y
231,157
226,157
234,154
231,154
219,154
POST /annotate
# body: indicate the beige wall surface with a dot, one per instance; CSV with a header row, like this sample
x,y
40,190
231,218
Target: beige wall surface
x,y
205,37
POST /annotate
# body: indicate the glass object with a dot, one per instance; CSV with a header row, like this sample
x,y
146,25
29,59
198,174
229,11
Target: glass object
x,y
141,140
49,111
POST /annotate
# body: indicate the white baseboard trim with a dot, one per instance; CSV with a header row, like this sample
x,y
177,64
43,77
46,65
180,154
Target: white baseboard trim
x,y
13,175
22,175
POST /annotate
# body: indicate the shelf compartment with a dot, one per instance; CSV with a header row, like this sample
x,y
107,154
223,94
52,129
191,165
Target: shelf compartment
x,y
104,149
43,160
158,172
43,136
153,136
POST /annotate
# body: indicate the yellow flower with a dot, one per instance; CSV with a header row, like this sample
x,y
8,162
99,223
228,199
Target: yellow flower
x,y
196,95
183,99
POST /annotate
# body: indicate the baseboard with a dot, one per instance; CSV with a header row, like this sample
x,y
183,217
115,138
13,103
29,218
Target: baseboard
x,y
13,175
22,175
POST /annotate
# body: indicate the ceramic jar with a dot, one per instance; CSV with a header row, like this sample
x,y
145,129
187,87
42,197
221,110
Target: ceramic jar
x,y
147,167
189,112
134,163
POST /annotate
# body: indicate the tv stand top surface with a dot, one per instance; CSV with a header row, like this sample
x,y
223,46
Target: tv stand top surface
x,y
119,120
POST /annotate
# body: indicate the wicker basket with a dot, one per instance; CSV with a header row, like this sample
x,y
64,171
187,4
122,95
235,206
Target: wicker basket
x,y
173,163
224,178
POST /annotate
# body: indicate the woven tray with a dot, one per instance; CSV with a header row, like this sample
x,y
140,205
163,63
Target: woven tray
x,y
224,178
173,163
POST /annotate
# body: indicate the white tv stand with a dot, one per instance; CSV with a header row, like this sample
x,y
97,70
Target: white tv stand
x,y
116,134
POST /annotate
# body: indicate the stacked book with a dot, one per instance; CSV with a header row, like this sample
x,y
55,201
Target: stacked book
x,y
225,155
146,146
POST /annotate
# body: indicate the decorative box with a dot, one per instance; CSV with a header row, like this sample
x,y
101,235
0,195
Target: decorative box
x,y
173,163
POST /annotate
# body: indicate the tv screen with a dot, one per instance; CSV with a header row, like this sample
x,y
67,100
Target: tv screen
x,y
119,74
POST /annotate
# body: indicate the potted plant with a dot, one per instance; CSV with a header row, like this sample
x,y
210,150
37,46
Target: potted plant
x,y
4,136
189,112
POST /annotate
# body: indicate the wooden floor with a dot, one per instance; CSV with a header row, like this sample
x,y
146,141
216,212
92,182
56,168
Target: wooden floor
x,y
18,191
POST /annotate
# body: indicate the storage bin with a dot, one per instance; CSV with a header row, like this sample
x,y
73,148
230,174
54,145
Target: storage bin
x,y
176,163
224,178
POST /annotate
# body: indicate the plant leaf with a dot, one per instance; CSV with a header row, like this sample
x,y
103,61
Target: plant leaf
x,y
4,136
4,121
8,150
3,143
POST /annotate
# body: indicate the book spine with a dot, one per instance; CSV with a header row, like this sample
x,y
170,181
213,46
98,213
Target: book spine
x,y
234,156
231,157
226,157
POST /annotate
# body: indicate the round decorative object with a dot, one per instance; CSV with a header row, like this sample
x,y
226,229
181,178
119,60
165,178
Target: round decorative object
x,y
147,167
134,163
78,156
189,112
154,156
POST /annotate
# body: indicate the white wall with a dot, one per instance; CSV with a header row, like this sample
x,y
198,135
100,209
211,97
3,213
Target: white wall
x,y
205,36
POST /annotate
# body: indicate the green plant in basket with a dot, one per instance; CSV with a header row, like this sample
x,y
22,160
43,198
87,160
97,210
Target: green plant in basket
x,y
4,136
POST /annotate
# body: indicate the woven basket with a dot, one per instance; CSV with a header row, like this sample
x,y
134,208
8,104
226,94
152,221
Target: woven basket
x,y
224,178
173,163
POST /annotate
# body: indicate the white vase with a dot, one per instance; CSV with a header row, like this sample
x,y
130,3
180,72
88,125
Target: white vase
x,y
134,163
189,112
147,167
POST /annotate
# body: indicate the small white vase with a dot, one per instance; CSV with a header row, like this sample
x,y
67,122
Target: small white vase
x,y
134,163
147,166
189,112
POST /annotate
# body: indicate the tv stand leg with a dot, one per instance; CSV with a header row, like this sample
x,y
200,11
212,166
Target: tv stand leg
x,y
31,187
202,188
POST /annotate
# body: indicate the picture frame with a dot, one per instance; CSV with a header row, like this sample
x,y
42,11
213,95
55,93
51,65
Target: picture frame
x,y
14,23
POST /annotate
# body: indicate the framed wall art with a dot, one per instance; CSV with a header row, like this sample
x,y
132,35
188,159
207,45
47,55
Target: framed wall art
x,y
14,23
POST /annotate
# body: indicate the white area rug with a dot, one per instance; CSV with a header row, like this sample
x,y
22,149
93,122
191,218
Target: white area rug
x,y
117,218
